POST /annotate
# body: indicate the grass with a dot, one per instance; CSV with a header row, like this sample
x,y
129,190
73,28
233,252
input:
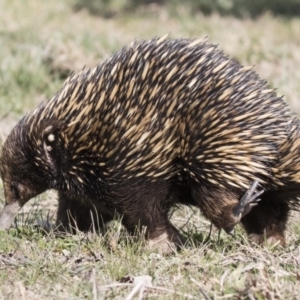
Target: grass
x,y
41,42
36,265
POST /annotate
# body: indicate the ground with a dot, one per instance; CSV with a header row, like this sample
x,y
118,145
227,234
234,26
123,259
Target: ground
x,y
41,42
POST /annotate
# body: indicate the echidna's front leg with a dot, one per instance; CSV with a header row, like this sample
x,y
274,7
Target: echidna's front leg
x,y
249,200
75,214
144,206
160,234
166,241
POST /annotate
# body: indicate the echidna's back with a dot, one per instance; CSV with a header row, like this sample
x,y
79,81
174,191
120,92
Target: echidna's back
x,y
158,101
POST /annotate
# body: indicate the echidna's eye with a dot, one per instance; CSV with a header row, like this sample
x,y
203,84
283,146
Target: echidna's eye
x,y
15,189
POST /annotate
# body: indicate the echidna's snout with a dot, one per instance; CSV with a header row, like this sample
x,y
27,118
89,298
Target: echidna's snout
x,y
8,214
16,195
19,182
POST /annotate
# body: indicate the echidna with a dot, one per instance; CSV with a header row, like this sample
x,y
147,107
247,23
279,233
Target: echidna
x,y
159,123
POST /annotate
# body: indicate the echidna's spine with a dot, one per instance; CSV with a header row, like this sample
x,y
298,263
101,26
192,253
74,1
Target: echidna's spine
x,y
160,101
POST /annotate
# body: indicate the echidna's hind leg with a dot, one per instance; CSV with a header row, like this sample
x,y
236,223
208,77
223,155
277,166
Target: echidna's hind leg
x,y
224,207
249,200
216,204
267,221
76,214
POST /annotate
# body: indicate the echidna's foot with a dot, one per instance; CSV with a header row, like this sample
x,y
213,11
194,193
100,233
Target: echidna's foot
x,y
249,200
167,242
266,223
275,239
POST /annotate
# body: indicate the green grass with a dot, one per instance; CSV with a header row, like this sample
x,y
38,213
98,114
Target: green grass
x,y
37,265
41,42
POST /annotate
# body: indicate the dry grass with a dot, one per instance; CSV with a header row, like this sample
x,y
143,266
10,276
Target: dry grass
x,y
40,43
110,266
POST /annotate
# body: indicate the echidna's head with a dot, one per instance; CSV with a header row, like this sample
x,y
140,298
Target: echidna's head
x,y
21,176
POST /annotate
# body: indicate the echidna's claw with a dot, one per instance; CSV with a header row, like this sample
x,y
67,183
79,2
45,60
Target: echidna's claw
x,y
248,201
